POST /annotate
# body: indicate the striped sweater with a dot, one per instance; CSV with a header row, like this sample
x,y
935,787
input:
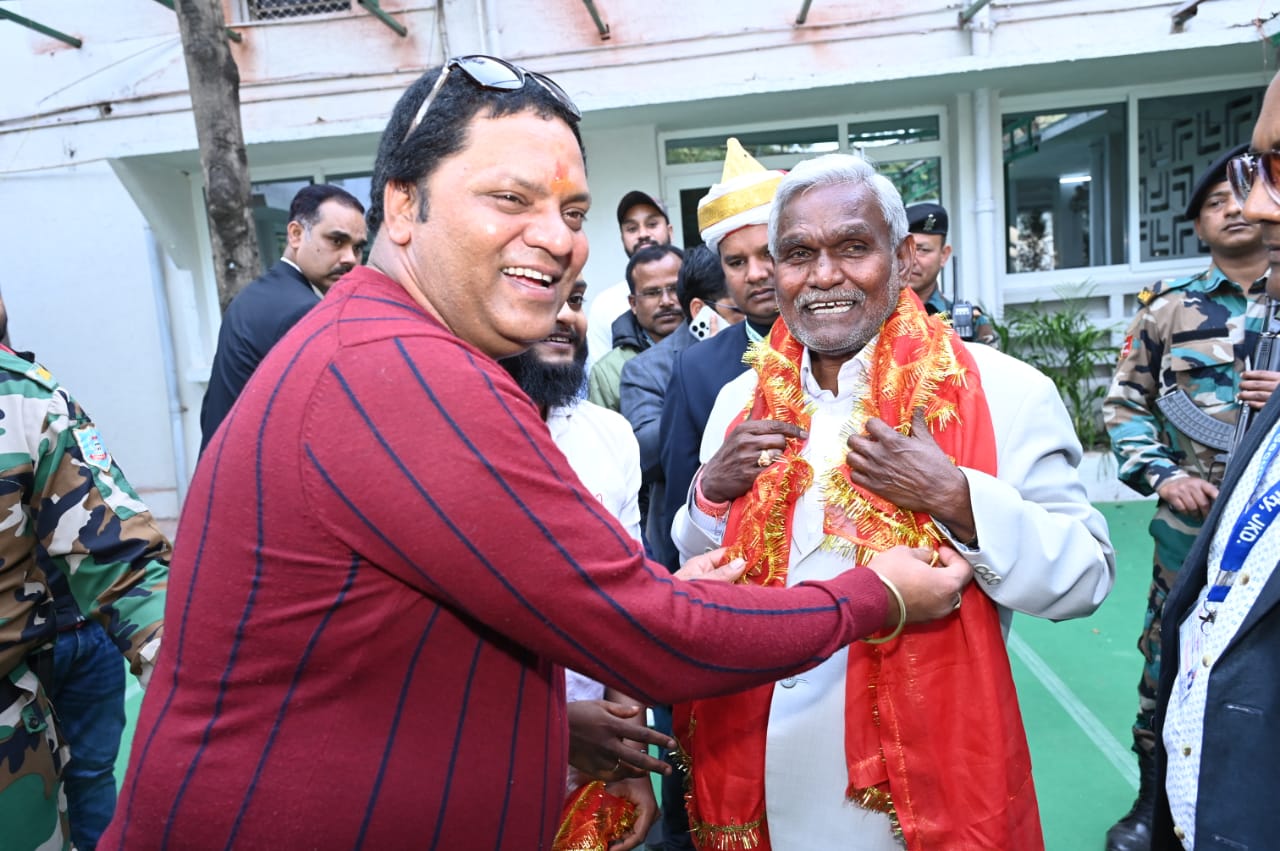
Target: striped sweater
x,y
382,565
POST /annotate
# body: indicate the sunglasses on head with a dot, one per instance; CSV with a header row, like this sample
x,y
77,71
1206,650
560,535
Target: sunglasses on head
x,y
489,72
1243,170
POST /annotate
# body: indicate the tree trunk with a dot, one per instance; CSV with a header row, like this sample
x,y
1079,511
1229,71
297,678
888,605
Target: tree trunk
x,y
214,81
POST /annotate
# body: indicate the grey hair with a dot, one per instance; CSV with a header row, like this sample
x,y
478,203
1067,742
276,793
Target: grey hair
x,y
838,170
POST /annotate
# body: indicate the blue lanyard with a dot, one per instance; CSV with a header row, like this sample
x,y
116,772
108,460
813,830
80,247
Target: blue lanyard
x,y
1250,526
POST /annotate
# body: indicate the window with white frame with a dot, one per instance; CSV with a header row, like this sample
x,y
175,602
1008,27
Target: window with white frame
x,y
895,146
1064,181
270,201
704,155
1106,184
907,149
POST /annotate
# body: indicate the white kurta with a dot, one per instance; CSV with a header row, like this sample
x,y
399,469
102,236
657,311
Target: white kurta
x,y
601,448
1042,549
805,768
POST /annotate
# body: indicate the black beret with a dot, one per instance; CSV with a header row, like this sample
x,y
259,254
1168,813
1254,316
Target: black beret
x,y
927,218
1212,176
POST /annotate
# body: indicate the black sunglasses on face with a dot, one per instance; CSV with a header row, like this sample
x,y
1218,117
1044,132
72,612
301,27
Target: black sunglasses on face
x,y
1243,170
490,72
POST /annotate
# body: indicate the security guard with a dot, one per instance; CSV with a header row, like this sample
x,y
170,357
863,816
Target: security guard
x,y
927,222
1193,334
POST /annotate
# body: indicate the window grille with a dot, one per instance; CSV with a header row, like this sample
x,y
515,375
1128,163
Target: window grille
x,y
274,10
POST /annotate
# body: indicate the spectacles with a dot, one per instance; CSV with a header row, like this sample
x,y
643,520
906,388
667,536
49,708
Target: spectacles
x,y
1244,169
658,293
489,72
732,308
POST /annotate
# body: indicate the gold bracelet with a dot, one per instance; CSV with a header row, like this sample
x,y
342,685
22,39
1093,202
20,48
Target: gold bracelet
x,y
902,613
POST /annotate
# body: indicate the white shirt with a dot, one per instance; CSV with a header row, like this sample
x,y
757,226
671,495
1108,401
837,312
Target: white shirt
x,y
601,448
805,770
1201,643
314,288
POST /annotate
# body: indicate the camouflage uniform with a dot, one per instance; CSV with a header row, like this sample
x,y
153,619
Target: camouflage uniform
x,y
1192,334
63,503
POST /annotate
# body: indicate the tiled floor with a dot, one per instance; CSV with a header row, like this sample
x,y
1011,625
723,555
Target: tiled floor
x,y
1076,682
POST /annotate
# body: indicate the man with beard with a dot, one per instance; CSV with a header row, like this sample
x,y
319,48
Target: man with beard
x,y
642,221
652,273
326,239
1192,336
733,220
847,427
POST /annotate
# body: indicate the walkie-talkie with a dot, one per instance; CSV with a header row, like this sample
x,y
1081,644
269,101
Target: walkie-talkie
x,y
962,319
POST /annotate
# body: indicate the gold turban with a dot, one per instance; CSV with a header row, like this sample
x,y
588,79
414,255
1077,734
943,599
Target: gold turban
x,y
744,196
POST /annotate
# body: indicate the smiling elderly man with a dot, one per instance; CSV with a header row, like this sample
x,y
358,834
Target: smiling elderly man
x,y
845,430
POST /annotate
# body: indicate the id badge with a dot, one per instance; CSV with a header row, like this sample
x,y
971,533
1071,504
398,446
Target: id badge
x,y
1191,644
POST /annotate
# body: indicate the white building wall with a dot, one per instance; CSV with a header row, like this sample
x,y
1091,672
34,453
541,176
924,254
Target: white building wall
x,y
618,160
78,290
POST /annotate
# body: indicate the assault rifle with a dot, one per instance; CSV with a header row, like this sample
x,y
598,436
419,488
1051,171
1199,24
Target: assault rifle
x,y
1189,419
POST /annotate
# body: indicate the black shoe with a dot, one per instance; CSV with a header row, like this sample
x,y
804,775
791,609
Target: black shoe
x,y
1133,831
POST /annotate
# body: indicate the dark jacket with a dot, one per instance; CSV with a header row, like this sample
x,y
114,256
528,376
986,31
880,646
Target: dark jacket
x,y
1240,751
697,374
642,392
257,318
627,333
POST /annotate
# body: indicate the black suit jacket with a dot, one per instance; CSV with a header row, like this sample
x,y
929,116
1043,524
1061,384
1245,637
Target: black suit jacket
x,y
256,319
697,375
1240,751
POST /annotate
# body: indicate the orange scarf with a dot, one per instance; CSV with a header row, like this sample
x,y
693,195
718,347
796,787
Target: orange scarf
x,y
933,736
593,818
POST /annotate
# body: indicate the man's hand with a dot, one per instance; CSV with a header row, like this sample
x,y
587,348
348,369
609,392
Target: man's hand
x,y
606,739
733,469
1188,494
1257,385
913,473
711,566
639,791
929,591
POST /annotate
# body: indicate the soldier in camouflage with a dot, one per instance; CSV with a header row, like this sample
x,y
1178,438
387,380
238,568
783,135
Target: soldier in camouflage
x,y
1193,334
64,504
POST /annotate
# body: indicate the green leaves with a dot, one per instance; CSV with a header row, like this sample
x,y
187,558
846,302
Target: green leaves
x,y
1061,340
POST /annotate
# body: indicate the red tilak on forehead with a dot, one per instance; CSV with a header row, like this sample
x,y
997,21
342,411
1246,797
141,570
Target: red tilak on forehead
x,y
561,175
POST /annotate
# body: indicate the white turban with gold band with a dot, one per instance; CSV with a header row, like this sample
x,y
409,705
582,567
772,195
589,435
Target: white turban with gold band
x,y
744,196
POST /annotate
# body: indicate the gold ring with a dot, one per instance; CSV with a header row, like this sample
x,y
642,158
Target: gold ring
x,y
617,766
933,559
765,459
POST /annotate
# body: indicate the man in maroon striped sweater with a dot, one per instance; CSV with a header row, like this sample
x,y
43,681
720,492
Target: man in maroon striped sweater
x,y
384,561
